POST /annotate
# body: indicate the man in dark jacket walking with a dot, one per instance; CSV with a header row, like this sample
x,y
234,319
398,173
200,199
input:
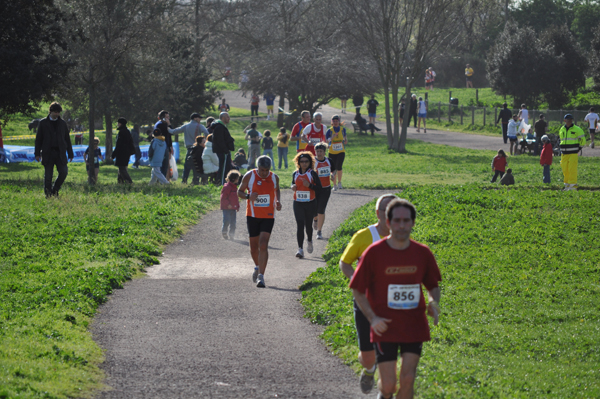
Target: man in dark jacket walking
x,y
505,115
412,111
164,120
52,144
123,151
223,143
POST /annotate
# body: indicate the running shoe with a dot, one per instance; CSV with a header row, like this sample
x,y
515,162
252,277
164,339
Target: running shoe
x,y
333,187
315,224
255,274
260,283
340,186
225,236
592,145
309,247
367,380
300,253
319,235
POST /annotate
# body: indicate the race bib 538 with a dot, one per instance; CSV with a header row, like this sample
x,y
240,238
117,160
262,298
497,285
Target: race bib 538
x,y
302,196
404,296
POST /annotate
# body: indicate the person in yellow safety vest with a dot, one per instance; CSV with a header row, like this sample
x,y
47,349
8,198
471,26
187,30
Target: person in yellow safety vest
x,y
572,139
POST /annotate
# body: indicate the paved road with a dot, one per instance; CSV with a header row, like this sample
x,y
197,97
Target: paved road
x,y
455,139
197,327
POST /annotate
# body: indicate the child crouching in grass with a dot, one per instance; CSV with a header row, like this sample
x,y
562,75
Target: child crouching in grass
x,y
499,164
230,204
93,161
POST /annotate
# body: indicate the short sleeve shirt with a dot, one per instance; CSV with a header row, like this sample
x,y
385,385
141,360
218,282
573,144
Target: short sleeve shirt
x,y
382,271
540,128
591,118
357,245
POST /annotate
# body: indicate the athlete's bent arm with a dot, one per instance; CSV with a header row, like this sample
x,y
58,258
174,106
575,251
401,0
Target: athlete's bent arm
x,y
433,307
346,269
378,324
277,194
243,187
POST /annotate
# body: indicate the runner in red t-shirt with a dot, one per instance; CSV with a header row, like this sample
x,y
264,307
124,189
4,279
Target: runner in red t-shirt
x,y
387,288
314,133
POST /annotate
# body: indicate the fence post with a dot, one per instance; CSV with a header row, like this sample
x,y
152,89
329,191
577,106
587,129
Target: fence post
x,y
449,96
484,108
449,112
477,96
440,112
495,116
462,111
472,115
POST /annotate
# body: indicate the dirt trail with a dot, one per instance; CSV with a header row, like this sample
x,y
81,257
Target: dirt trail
x,y
197,327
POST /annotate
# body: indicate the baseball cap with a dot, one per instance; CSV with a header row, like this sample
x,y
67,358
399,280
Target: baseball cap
x,y
335,117
568,116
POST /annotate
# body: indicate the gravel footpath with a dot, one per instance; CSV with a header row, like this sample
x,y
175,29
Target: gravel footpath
x,y
454,139
197,327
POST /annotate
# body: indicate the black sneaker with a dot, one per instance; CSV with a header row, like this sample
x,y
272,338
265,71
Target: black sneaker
x,y
367,381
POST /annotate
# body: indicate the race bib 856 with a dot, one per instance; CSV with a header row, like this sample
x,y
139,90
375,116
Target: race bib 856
x,y
404,296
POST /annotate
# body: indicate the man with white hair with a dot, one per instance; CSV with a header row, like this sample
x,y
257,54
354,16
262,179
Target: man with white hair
x,y
314,133
223,143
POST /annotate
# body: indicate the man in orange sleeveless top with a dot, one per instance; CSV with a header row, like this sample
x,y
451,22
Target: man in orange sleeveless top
x,y
263,198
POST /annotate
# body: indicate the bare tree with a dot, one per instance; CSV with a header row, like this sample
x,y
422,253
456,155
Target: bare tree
x,y
399,36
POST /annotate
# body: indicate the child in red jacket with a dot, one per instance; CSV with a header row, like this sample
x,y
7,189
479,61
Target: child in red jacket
x,y
499,164
546,158
230,204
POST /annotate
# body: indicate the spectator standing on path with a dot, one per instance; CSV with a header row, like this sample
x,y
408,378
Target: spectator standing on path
x,y
469,76
135,136
592,119
499,164
422,115
372,109
337,140
263,198
504,116
52,145
191,130
508,179
92,157
343,102
572,139
223,107
269,100
123,151
524,114
156,154
387,288
357,101
360,241
314,133
267,145
222,145
164,120
283,141
541,128
298,130
413,109
546,158
306,186
254,100
253,136
230,204
511,132
243,82
196,156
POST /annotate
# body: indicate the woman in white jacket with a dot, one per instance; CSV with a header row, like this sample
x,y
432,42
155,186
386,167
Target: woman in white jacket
x,y
210,160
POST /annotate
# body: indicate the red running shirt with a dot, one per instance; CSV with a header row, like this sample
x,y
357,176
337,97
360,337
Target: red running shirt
x,y
392,281
303,194
264,206
324,172
314,137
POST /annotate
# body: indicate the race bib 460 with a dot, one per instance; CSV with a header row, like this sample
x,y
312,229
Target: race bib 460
x,y
404,296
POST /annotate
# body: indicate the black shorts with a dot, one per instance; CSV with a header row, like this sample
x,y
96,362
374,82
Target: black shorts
x,y
592,133
388,351
259,225
363,330
512,140
338,160
323,199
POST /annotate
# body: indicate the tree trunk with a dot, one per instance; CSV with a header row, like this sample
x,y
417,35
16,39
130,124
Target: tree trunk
x,y
395,103
92,123
388,120
108,142
406,122
280,110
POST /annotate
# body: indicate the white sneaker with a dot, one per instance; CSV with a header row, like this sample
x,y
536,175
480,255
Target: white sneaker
x,y
300,253
319,235
340,186
255,274
333,187
260,281
309,247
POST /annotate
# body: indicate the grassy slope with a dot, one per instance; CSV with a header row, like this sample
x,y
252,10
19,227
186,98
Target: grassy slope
x,y
520,318
60,258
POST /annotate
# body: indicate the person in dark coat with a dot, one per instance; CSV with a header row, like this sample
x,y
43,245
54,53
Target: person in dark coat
x,y
135,135
123,151
164,120
52,145
223,143
412,111
505,116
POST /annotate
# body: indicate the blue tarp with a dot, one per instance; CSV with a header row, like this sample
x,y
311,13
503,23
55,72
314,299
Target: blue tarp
x,y
17,153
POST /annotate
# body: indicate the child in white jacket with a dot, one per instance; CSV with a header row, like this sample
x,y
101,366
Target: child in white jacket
x,y
210,160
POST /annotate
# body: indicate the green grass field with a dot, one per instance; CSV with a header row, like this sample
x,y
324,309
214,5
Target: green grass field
x,y
520,280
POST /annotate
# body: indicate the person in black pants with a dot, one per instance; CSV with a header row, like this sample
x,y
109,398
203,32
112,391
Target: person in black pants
x,y
505,115
306,186
52,144
223,144
164,120
413,110
123,151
